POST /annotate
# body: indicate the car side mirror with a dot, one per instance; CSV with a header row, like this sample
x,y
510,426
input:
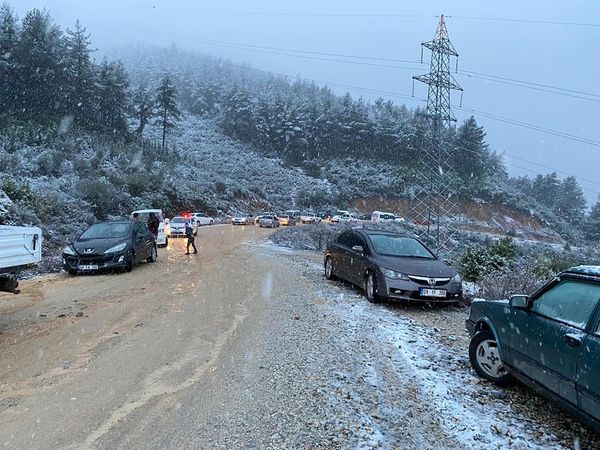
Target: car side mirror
x,y
358,248
519,302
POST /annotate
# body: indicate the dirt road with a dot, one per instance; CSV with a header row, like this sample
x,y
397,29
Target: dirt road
x,y
79,355
243,346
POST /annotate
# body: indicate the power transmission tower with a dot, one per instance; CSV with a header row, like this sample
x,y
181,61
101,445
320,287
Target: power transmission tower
x,y
434,204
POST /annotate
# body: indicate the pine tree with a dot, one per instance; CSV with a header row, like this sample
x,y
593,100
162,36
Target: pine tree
x,y
471,154
592,224
546,189
143,107
9,35
79,71
112,98
38,55
570,202
167,110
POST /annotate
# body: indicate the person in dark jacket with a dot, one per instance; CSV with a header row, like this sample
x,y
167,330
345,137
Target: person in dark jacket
x,y
189,232
153,224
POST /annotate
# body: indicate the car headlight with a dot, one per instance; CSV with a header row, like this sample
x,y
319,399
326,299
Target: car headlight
x,y
392,274
116,248
456,278
68,250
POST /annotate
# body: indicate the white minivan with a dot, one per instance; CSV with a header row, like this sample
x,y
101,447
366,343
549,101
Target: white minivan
x,y
143,214
380,216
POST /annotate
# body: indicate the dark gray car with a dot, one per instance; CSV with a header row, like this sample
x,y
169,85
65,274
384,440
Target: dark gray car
x,y
391,265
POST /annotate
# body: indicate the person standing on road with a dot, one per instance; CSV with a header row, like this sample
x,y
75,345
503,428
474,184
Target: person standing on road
x,y
189,232
153,224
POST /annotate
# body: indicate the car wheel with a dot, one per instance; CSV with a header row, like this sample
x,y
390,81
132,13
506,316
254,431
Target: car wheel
x,y
485,358
329,269
153,255
129,263
371,288
73,272
211,223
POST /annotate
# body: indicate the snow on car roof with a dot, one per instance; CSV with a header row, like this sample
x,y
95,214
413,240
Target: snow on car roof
x,y
585,270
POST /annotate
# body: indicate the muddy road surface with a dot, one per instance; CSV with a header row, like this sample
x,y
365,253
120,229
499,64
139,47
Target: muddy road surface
x,y
246,345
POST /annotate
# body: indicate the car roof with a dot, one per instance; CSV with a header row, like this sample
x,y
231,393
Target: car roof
x,y
113,222
593,271
147,211
373,231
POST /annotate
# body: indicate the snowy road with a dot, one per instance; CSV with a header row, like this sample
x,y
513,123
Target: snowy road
x,y
247,346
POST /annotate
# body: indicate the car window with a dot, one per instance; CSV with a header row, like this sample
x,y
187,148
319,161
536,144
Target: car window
x,y
570,301
356,239
390,245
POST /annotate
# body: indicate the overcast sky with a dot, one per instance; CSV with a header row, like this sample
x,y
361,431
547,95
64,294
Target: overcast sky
x,y
562,55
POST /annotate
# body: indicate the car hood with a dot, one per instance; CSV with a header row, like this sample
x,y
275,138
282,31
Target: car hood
x,y
96,246
416,266
177,225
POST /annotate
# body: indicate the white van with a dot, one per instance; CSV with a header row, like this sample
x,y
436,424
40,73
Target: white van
x,y
20,248
381,216
162,240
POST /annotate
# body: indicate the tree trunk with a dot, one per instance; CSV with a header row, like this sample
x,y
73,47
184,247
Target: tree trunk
x,y
164,129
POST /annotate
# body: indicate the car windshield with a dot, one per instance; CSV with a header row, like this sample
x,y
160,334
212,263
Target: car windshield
x,y
106,231
178,220
401,246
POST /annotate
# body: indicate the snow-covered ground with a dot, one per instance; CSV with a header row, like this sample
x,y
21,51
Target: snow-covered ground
x,y
406,377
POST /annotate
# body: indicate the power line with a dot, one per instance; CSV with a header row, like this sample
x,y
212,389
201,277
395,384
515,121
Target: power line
x,y
333,57
531,126
528,21
401,16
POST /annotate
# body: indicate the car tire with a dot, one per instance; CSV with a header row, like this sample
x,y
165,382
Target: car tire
x,y
129,263
153,256
329,273
72,272
371,288
485,358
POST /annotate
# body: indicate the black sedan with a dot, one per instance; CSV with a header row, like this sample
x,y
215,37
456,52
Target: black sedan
x,y
391,265
110,245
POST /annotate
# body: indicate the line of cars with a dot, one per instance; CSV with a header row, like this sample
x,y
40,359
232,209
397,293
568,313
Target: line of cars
x,y
123,244
549,340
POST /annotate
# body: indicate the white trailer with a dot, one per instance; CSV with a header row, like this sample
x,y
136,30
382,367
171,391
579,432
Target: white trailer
x,y
20,248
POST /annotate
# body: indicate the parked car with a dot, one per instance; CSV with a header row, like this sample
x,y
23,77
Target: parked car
x,y
308,217
267,213
177,226
399,219
382,217
143,214
20,248
325,215
110,245
337,216
287,220
202,218
391,265
294,214
549,340
269,221
241,219
364,217
347,217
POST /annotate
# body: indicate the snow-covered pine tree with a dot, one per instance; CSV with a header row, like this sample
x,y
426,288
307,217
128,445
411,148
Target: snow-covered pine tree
x,y
167,111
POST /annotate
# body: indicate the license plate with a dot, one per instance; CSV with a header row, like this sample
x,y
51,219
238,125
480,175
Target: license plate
x,y
424,292
88,267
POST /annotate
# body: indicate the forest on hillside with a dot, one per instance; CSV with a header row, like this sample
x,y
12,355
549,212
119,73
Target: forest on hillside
x,y
58,97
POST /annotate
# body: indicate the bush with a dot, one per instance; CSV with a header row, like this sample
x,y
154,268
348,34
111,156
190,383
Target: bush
x,y
519,277
478,261
19,191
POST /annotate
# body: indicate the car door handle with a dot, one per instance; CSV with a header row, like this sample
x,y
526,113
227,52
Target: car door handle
x,y
573,340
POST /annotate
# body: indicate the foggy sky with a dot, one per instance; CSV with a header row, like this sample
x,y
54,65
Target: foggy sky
x,y
558,55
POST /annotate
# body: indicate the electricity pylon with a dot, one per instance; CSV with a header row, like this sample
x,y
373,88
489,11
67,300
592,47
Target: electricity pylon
x,y
434,204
